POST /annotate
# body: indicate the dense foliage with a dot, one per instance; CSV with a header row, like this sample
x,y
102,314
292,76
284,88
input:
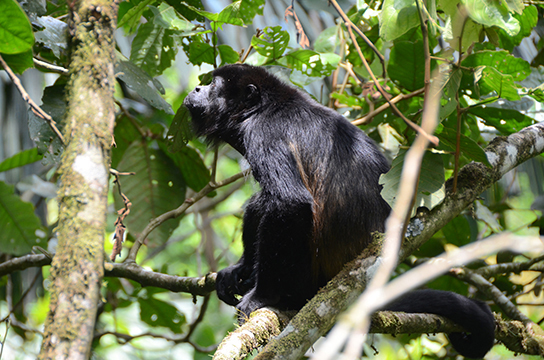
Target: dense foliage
x,y
488,55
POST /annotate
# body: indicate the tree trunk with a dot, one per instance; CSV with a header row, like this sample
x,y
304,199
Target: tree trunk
x,y
77,267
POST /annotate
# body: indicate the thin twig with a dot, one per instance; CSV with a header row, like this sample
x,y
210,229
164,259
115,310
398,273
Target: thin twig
x,y
362,35
385,106
172,214
349,25
50,67
33,106
458,106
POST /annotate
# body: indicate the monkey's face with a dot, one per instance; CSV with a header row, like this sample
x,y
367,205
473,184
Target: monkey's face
x,y
218,109
207,103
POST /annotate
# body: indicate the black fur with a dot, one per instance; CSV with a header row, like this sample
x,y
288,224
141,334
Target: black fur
x,y
319,200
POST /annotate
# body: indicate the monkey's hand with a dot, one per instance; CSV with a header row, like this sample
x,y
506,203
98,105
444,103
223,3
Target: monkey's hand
x,y
234,280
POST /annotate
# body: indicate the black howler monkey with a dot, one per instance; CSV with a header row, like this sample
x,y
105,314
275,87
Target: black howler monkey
x,y
319,200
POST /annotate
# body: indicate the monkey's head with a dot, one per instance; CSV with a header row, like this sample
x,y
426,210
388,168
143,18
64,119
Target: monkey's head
x,y
237,94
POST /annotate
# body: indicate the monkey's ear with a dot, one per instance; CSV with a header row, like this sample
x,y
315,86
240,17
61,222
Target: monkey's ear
x,y
252,91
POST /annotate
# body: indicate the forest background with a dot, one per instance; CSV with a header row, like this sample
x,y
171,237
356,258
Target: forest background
x,y
73,86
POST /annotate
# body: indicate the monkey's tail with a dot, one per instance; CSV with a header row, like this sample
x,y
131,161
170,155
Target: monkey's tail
x,y
473,315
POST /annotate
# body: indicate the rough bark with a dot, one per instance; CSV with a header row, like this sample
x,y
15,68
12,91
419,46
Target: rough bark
x,y
77,267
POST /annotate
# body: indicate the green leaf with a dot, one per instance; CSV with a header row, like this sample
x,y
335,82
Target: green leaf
x,y
54,103
502,61
349,100
124,134
153,47
131,18
469,148
180,131
22,158
271,43
15,30
507,121
328,40
527,20
458,231
54,35
186,9
143,84
201,52
19,62
159,313
227,54
21,228
174,20
483,213
192,166
492,13
250,8
431,190
156,188
229,15
492,80
309,62
448,103
397,18
407,64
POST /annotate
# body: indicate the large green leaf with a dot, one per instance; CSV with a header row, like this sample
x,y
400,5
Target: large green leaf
x,y
22,158
173,20
458,231
527,21
21,228
155,312
430,191
309,62
250,8
153,46
469,148
156,188
180,131
54,34
54,103
492,13
143,84
231,14
19,62
507,121
227,54
407,64
15,31
271,43
201,52
189,161
328,40
490,80
502,61
130,15
397,18
186,8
